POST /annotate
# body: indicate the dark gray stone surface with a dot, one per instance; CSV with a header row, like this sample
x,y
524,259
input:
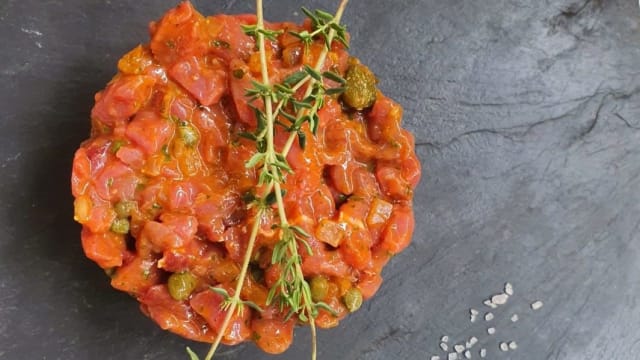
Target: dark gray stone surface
x,y
527,118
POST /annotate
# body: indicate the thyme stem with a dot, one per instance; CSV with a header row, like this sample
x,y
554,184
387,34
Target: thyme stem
x,y
272,167
241,277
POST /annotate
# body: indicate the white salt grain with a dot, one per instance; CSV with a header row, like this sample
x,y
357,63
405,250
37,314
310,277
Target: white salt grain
x,y
444,347
491,330
499,299
472,318
467,354
452,356
514,318
504,346
488,316
508,289
483,353
536,305
458,348
472,341
435,357
513,345
490,304
473,312
444,339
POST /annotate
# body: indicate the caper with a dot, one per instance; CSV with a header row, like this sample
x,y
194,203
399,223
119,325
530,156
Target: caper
x,y
188,134
352,299
181,285
120,226
360,88
123,208
319,288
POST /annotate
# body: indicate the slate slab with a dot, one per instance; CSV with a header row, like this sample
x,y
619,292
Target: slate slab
x,y
526,116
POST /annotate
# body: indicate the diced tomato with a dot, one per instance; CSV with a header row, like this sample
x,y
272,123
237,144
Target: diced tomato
x,y
208,305
149,131
392,183
384,119
325,262
105,248
206,83
161,236
185,226
214,126
116,182
123,97
379,213
175,316
228,41
181,195
397,234
245,113
330,232
369,284
131,156
136,277
100,215
180,33
356,249
136,61
354,212
411,170
273,336
81,172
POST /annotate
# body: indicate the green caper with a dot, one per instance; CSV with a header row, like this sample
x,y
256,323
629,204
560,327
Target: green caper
x,y
120,226
360,87
181,285
123,208
188,134
319,287
352,299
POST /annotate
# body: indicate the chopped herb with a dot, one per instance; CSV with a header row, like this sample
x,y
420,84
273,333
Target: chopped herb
x,y
165,151
116,145
188,134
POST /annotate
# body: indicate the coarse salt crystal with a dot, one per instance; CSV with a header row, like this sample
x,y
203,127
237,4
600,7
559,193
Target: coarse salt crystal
x,y
508,289
513,345
444,339
504,346
488,316
473,312
499,299
467,354
483,353
452,356
435,357
536,305
514,317
458,348
491,330
444,347
490,304
472,341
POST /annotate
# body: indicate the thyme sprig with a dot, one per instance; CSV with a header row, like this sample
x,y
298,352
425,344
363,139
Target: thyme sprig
x,y
282,108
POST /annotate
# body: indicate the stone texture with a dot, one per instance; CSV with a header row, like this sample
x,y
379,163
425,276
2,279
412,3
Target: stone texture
x,y
526,119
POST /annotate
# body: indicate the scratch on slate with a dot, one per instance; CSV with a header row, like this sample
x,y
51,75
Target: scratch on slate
x,y
627,123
